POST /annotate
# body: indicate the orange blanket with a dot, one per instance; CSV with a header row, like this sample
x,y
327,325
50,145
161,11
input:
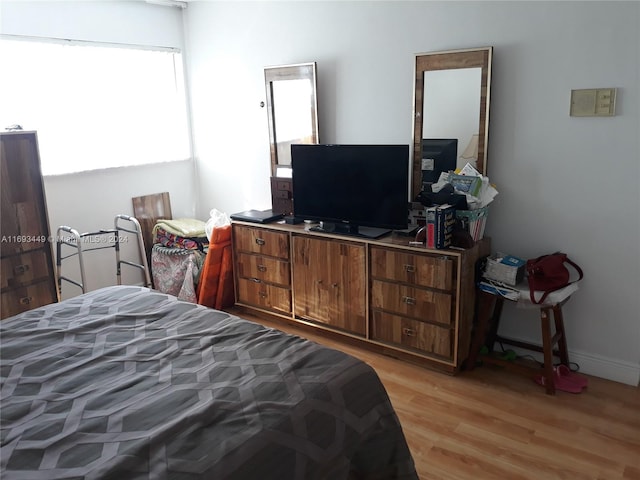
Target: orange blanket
x,y
215,289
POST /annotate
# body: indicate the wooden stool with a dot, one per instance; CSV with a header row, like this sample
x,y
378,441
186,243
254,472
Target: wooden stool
x,y
489,309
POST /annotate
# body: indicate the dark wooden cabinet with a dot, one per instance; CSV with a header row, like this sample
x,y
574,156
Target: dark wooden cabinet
x,y
282,195
28,272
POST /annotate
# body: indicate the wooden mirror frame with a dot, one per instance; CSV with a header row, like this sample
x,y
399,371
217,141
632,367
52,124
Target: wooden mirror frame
x,y
301,71
447,60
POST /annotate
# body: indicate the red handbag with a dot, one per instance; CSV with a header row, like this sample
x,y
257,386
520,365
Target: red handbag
x,y
548,273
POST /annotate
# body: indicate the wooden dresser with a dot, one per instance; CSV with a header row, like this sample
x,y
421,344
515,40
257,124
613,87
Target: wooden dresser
x,y
400,299
28,272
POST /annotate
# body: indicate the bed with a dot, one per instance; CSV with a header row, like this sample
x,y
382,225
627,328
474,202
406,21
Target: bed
x,y
129,383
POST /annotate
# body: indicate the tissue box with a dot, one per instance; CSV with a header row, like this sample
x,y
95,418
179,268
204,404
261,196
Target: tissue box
x,y
505,269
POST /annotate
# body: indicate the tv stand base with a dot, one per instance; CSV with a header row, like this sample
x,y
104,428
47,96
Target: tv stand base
x,y
350,230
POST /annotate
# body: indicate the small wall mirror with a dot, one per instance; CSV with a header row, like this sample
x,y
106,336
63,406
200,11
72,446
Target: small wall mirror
x,y
292,110
451,112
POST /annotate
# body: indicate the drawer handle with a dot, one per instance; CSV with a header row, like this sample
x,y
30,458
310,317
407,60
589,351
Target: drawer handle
x,y
21,269
262,268
409,268
262,294
409,300
334,285
256,280
260,241
26,300
409,332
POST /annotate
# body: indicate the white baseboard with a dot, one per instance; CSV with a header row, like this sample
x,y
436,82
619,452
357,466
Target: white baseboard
x,y
598,366
615,370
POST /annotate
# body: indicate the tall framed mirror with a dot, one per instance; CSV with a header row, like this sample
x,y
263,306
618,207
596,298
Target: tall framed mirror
x,y
292,110
451,113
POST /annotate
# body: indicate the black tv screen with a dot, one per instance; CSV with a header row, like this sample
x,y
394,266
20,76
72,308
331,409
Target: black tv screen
x,y
357,190
438,155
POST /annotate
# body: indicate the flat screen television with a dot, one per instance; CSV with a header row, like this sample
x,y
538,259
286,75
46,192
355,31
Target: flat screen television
x,y
438,155
359,190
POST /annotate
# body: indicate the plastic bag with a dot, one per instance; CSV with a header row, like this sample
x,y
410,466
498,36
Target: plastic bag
x,y
216,219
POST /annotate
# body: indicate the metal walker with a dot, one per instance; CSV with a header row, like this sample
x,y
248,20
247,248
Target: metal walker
x,y
107,239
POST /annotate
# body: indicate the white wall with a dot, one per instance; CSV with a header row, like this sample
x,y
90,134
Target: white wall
x,y
565,183
89,201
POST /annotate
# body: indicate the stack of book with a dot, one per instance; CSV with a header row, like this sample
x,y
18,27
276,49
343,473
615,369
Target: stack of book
x,y
505,269
440,222
500,289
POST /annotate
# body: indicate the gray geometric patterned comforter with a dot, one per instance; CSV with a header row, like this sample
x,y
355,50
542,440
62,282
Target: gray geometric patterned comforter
x,y
128,383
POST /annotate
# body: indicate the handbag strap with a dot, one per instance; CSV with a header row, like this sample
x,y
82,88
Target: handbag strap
x,y
544,295
577,267
547,292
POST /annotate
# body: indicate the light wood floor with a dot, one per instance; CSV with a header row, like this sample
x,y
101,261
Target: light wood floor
x,y
489,423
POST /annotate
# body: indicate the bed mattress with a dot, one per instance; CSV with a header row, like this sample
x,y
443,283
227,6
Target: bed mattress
x,y
129,383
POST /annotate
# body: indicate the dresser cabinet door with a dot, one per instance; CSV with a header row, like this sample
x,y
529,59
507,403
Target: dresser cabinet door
x,y
265,269
25,298
329,283
418,303
261,241
433,271
20,270
414,334
260,294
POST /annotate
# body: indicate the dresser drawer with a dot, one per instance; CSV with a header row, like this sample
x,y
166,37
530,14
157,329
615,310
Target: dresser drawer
x,y
413,334
261,241
23,269
419,303
21,299
434,271
267,269
264,295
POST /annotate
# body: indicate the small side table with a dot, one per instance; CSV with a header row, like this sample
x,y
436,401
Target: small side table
x,y
489,309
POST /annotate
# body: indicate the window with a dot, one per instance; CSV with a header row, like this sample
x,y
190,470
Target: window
x,y
95,105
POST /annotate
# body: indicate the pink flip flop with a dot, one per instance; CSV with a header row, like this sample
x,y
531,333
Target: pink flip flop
x,y
561,383
562,371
